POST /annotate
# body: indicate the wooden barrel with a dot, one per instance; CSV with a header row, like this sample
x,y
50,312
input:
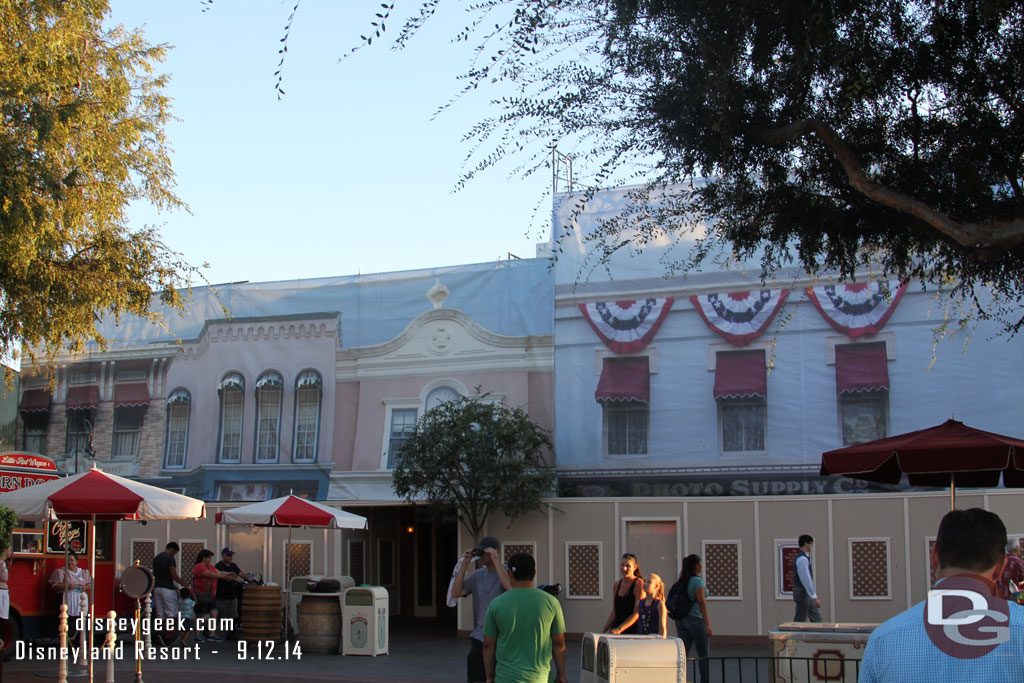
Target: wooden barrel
x,y
261,613
320,624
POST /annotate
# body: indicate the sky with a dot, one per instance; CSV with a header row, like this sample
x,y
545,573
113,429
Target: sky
x,y
348,173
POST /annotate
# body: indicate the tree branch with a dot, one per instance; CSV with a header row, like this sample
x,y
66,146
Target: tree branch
x,y
987,236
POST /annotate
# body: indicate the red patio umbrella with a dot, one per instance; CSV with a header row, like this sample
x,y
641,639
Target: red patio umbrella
x,y
291,511
98,496
950,454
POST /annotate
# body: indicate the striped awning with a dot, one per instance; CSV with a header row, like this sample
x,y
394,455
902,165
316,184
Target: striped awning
x,y
35,401
83,398
134,394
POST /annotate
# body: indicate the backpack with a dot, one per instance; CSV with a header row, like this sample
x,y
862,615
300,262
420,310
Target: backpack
x,y
678,602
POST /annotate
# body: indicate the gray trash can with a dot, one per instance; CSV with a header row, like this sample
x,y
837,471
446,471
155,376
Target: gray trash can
x,y
809,652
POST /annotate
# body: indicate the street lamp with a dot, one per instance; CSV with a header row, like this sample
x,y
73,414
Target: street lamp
x,y
89,450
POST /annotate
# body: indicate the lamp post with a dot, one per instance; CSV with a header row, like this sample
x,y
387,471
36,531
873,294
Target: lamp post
x,y
89,450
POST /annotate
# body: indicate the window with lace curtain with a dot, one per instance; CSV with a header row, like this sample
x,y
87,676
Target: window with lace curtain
x,y
625,424
742,422
78,430
232,392
36,426
268,417
308,392
127,428
179,405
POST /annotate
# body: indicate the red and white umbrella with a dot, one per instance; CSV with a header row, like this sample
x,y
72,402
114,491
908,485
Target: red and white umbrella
x,y
291,511
98,496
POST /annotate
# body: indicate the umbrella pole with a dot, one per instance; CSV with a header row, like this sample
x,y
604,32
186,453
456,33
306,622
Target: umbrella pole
x,y
92,596
287,588
952,491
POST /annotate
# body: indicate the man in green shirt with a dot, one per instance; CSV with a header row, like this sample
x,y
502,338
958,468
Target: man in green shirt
x,y
524,630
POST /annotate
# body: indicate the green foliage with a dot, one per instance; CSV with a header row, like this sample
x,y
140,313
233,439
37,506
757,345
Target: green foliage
x,y
830,134
82,122
470,458
8,520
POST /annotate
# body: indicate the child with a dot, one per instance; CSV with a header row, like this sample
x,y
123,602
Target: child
x,y
651,610
187,611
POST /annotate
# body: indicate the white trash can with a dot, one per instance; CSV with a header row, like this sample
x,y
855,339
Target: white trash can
x,y
809,652
588,653
364,621
640,660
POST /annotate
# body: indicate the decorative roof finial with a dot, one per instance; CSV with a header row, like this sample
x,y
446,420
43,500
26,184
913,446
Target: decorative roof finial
x,y
438,293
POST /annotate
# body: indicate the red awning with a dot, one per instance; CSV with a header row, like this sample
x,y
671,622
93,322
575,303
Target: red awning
x,y
861,367
625,379
740,374
136,394
81,398
35,401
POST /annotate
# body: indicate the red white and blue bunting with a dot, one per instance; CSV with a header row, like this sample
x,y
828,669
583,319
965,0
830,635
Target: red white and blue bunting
x,y
740,317
857,309
627,326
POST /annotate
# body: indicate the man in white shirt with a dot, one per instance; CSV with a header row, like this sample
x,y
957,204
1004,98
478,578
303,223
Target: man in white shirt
x,y
806,598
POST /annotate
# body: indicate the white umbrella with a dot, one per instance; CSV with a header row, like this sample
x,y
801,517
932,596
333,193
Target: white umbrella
x,y
98,496
291,511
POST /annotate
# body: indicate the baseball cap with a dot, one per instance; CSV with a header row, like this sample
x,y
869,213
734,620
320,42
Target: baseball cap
x,y
487,542
227,551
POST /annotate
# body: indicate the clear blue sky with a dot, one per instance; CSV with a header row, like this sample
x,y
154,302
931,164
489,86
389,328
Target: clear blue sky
x,y
347,173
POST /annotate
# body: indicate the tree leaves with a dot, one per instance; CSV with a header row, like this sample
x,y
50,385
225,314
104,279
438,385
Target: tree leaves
x,y
81,136
472,457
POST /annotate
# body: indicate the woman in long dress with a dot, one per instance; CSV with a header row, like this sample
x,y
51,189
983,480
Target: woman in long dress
x,y
78,582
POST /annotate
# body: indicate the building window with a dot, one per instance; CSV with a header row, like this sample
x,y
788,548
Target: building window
x,y
864,416
439,396
179,405
232,392
626,427
241,491
862,385
79,428
403,426
743,422
308,392
34,436
268,417
127,428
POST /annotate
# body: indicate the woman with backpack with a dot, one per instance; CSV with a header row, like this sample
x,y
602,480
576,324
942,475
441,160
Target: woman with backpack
x,y
687,605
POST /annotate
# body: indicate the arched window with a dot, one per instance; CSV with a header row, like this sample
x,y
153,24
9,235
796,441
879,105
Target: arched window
x,y
440,395
268,416
179,404
232,394
308,391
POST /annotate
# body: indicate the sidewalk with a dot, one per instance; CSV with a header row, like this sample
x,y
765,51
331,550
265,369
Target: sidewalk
x,y
422,655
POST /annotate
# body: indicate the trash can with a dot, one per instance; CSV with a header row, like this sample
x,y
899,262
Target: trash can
x,y
364,621
806,652
640,660
588,653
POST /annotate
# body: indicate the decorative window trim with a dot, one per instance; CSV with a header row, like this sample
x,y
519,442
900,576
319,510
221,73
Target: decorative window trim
x,y
391,405
307,378
135,540
605,440
739,567
270,380
600,570
506,544
719,405
284,556
232,379
780,570
888,566
651,352
178,398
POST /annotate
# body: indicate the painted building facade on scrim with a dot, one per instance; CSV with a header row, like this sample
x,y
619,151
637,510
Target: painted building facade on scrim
x,y
689,413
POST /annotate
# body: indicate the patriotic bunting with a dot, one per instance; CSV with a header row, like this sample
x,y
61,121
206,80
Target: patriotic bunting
x,y
857,309
740,317
627,326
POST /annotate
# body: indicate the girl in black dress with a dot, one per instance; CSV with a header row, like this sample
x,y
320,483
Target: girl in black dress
x,y
627,594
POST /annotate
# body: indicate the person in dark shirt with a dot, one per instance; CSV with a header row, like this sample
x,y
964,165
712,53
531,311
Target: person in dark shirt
x,y
165,593
228,592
